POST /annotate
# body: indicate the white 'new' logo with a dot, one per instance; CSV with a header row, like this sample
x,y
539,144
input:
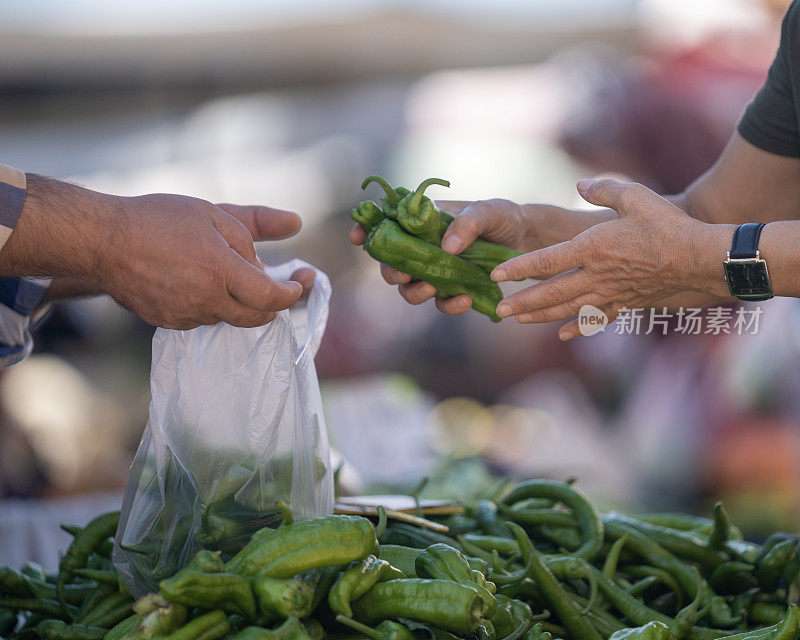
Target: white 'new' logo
x,y
591,320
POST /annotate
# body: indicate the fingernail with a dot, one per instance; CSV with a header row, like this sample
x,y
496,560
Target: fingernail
x,y
463,303
564,336
499,275
584,184
453,244
503,310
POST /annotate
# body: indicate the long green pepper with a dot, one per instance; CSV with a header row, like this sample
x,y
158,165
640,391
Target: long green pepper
x,y
450,275
83,545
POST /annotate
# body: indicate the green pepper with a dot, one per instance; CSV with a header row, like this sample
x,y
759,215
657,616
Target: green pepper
x,y
294,548
567,568
420,217
210,626
401,534
124,629
664,577
35,571
367,214
8,621
787,629
487,516
556,597
160,617
509,614
770,568
392,198
450,275
83,544
650,631
18,585
441,561
733,577
49,608
284,598
320,580
60,630
386,630
98,575
686,618
94,600
765,613
356,580
226,591
682,543
584,512
721,532
417,214
449,605
291,629
401,557
108,612
207,561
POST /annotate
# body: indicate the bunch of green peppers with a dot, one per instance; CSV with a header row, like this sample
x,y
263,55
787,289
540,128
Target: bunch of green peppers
x,y
406,233
538,562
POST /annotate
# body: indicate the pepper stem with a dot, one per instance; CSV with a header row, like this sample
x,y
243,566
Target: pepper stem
x,y
413,203
362,628
286,512
381,522
391,194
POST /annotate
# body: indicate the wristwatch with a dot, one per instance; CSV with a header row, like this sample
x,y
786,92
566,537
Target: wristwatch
x,y
745,271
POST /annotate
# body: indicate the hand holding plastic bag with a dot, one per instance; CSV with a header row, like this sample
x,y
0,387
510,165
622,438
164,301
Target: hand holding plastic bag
x,y
235,426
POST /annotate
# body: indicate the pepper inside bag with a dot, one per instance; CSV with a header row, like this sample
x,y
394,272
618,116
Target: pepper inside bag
x,y
235,426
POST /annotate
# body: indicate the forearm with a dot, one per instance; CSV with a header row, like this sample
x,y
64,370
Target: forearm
x,y
58,231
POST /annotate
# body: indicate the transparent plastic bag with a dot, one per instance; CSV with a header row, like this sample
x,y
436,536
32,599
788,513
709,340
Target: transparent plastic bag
x,y
235,425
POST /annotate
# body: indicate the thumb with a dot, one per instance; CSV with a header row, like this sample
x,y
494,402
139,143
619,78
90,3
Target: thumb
x,y
264,223
624,197
254,288
475,219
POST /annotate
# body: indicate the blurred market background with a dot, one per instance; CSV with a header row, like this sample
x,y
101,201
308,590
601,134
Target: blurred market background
x,y
291,103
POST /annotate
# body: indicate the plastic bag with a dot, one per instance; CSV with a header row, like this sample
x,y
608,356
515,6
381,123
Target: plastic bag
x,y
235,425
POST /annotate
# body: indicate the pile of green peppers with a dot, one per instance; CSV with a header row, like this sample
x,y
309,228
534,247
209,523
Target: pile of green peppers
x,y
536,562
406,232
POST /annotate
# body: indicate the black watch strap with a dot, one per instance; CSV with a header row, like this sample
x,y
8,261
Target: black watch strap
x,y
745,240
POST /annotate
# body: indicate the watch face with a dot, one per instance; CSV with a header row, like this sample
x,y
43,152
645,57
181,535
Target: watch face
x,y
748,278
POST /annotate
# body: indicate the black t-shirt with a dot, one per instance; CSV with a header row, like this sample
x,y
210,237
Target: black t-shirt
x,y
772,120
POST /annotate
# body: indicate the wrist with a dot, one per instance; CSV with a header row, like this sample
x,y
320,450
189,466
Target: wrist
x,y
708,246
60,231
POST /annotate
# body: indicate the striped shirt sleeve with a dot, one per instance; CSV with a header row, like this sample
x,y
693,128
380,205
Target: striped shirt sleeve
x,y
19,297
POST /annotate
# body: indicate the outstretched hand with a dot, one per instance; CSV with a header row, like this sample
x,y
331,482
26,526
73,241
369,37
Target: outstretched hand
x,y
642,256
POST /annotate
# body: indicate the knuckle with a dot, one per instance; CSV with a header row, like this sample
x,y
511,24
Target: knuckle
x,y
555,293
468,222
544,262
630,195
